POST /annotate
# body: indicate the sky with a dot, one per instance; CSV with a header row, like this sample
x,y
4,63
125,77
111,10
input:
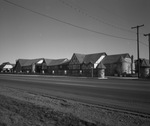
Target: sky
x,y
56,29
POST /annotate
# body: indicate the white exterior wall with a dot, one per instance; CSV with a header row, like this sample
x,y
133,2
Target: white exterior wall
x,y
126,66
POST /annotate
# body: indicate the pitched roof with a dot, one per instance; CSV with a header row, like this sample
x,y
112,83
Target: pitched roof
x,y
92,58
48,61
28,62
88,58
65,62
80,57
3,64
6,63
115,58
56,62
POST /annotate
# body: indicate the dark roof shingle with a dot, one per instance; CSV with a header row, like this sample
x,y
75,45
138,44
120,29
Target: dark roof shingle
x,y
28,62
53,62
88,58
101,66
80,57
92,58
115,58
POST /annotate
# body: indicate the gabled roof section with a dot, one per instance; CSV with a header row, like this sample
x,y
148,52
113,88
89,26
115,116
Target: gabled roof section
x,y
48,61
101,66
57,62
88,58
3,64
28,62
80,57
92,58
6,65
66,61
145,63
115,58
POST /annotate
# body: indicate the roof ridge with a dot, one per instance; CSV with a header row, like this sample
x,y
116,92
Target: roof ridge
x,y
31,59
118,54
60,59
79,53
96,53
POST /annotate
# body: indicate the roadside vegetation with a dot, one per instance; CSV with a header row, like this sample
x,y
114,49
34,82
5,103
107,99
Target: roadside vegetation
x,y
23,108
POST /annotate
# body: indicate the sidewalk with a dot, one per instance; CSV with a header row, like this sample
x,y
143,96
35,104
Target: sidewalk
x,y
114,77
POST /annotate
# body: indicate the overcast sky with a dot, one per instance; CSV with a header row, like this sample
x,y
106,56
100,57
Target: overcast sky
x,y
58,28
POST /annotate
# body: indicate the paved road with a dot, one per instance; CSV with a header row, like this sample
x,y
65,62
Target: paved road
x,y
133,95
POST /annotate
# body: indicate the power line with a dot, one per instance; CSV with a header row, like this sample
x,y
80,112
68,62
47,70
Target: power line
x,y
64,22
93,17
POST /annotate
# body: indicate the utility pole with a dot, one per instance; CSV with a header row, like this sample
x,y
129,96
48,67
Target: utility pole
x,y
138,62
92,71
149,47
